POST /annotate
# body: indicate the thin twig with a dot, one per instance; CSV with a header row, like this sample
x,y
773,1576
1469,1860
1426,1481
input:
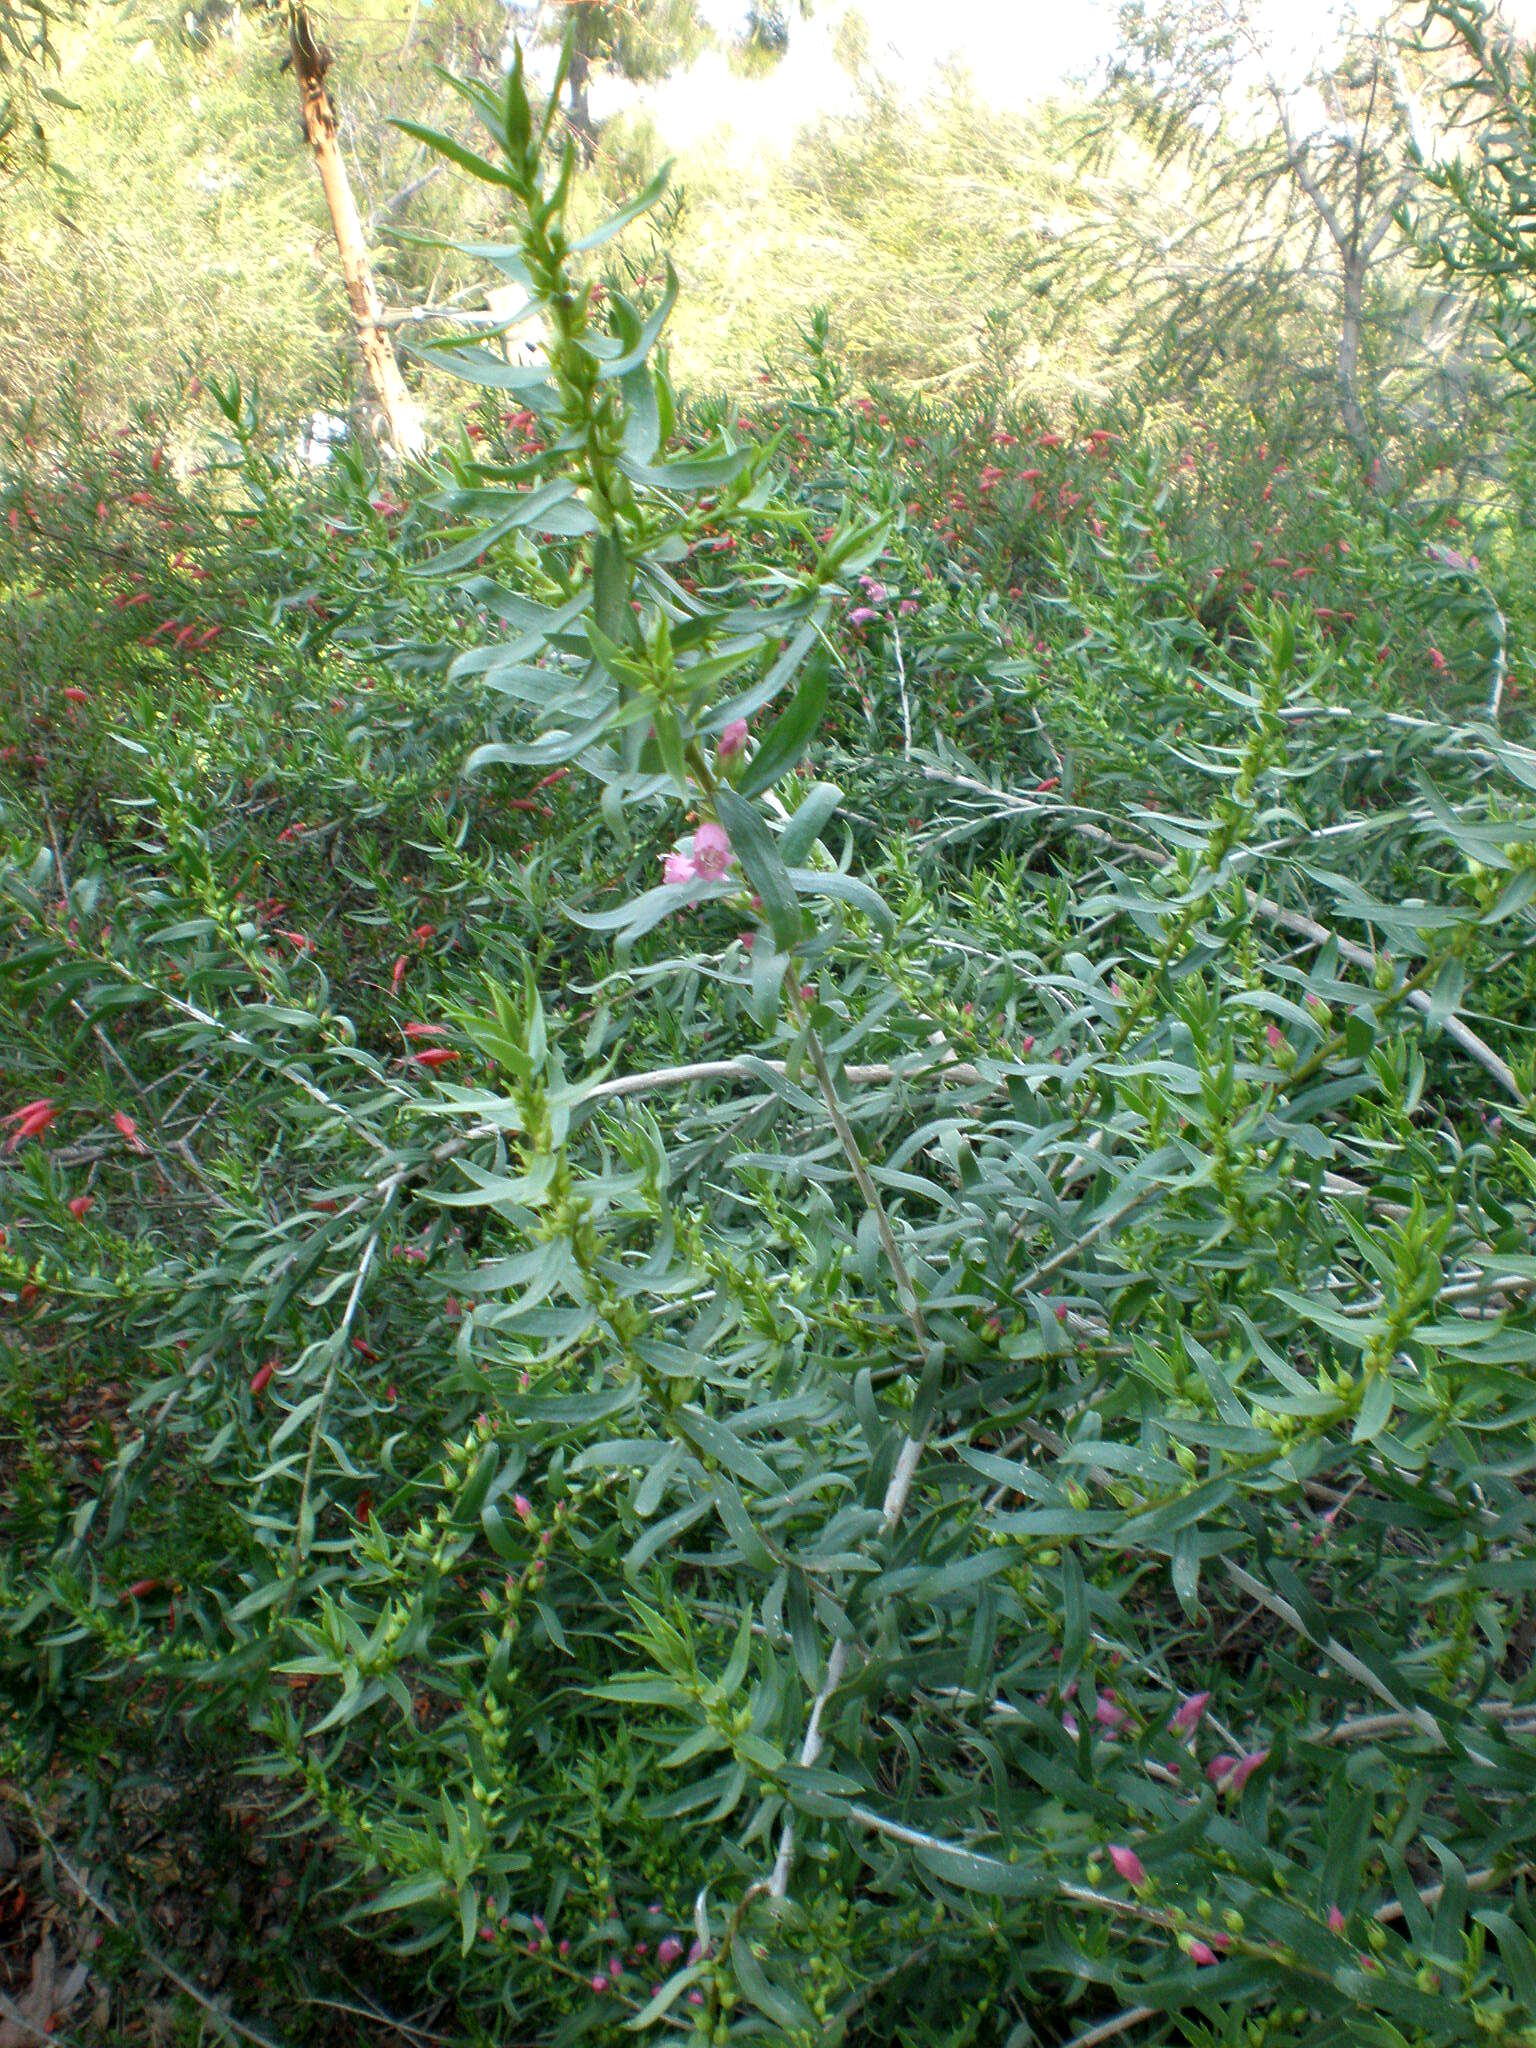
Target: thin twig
x,y
906,708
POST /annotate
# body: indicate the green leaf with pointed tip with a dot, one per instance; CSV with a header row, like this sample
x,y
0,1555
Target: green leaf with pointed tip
x,y
466,159
790,734
760,863
629,212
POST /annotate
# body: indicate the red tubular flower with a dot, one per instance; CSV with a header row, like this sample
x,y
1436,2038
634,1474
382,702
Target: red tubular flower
x,y
128,1130
30,1121
435,1056
261,1376
425,1030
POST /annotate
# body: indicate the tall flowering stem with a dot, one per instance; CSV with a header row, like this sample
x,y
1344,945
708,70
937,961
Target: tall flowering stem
x,y
659,708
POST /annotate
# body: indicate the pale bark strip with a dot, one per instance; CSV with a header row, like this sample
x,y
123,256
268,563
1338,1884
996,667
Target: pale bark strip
x,y
310,63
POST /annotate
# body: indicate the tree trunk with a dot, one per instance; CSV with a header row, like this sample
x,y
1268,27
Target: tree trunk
x,y
310,63
1356,425
581,107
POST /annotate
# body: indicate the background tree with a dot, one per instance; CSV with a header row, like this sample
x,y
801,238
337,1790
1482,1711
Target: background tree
x,y
1481,235
1276,252
28,53
637,39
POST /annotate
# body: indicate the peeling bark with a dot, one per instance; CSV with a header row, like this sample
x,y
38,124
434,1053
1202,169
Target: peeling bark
x,y
311,60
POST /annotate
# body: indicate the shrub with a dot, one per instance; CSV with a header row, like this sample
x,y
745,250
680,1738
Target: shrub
x,y
769,1422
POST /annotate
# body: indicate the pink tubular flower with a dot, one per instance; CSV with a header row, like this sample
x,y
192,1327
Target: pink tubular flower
x,y
732,740
1336,1922
1275,1036
1107,1711
712,852
862,614
1200,1952
1127,1864
1187,1717
668,1951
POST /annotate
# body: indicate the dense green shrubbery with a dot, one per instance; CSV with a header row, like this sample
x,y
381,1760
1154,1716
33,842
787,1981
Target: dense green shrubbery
x,y
858,1379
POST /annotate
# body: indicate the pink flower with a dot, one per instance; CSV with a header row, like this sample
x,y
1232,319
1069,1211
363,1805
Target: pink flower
x,y
615,1968
668,1951
598,1983
1107,1711
1200,1953
676,869
1188,1715
712,853
1336,1922
1275,1036
732,740
862,614
907,607
1128,1864
522,1507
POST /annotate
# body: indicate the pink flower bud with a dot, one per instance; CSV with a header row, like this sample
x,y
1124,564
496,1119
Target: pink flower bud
x,y
668,1951
862,614
1107,1711
732,740
522,1507
1188,1714
1231,1773
1336,1922
1200,1953
599,1984
1275,1036
1128,1864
